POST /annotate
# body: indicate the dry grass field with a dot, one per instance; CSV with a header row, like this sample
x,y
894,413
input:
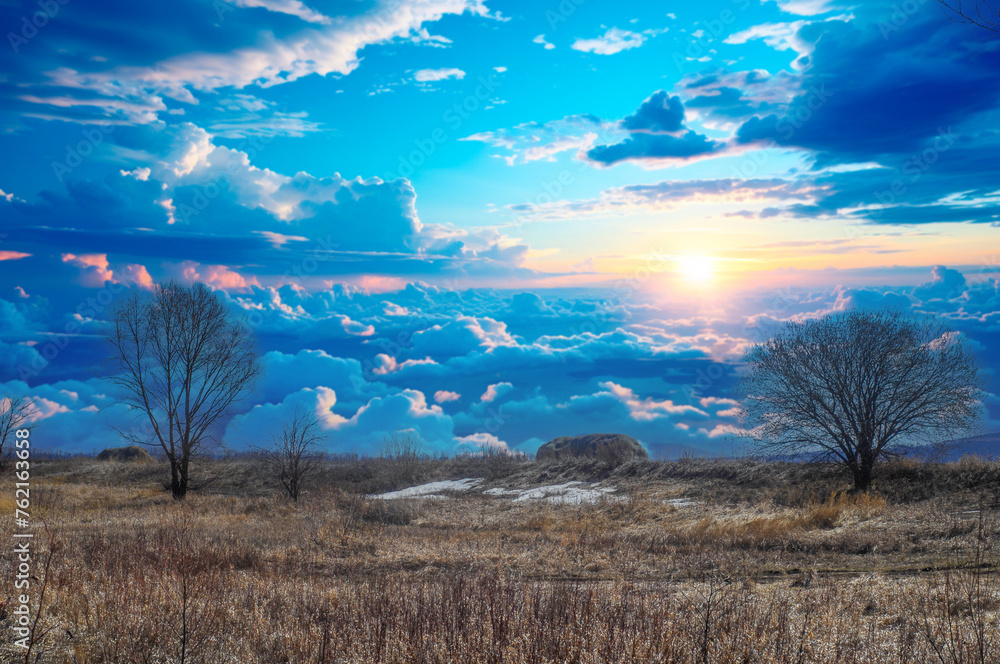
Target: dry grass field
x,y
690,561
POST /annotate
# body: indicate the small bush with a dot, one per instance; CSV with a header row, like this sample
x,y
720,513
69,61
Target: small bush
x,y
387,513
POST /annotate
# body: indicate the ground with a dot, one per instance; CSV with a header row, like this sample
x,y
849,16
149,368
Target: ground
x,y
689,561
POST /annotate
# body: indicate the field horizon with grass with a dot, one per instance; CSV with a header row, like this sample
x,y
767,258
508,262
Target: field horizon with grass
x,y
695,560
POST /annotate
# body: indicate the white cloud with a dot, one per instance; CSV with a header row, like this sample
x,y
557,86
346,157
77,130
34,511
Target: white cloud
x,y
425,75
444,396
291,7
648,409
781,37
533,141
613,41
480,442
806,7
329,49
540,39
496,390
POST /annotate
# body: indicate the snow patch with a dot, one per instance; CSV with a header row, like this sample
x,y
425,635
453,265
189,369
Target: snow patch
x,y
431,489
571,493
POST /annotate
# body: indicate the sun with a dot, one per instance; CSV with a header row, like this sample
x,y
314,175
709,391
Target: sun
x,y
696,268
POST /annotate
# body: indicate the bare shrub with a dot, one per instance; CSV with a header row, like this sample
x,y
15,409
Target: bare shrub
x,y
295,453
959,611
386,512
401,454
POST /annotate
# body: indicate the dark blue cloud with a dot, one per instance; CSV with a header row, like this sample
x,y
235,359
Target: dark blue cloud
x,y
867,93
656,133
652,147
660,114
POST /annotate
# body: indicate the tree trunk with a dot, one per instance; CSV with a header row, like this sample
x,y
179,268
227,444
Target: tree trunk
x,y
862,472
178,479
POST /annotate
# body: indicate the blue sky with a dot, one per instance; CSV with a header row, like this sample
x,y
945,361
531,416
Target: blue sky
x,y
489,222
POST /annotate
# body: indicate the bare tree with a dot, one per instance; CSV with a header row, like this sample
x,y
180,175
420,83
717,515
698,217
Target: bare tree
x,y
295,453
984,13
14,413
183,361
856,386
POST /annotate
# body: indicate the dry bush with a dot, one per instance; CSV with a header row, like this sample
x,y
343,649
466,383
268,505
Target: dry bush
x,y
401,454
961,610
387,512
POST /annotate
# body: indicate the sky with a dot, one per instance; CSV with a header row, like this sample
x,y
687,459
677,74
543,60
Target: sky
x,y
488,222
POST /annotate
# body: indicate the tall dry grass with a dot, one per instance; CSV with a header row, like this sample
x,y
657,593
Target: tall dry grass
x,y
240,577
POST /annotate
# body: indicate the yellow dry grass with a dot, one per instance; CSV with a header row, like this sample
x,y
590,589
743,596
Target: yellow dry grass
x,y
242,577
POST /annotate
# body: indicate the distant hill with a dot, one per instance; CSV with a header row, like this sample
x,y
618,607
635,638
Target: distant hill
x,y
986,445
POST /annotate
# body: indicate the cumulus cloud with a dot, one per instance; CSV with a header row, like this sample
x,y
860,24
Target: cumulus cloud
x,y
240,214
479,443
648,409
446,396
496,390
657,136
461,336
614,40
665,382
660,114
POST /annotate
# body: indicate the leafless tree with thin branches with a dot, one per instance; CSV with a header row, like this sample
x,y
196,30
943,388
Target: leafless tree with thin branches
x,y
984,13
858,385
14,415
295,453
182,360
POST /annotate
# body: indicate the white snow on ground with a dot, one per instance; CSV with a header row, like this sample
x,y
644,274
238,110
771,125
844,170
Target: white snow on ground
x,y
570,492
431,489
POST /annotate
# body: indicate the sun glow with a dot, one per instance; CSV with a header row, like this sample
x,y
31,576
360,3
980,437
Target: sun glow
x,y
696,268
